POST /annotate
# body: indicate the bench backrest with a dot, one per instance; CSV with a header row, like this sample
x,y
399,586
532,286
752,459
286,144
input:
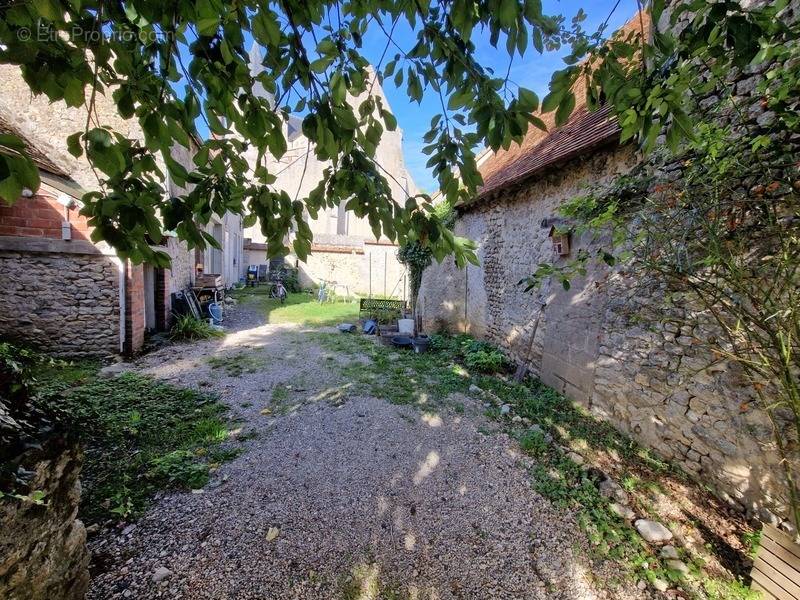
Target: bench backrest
x,y
372,306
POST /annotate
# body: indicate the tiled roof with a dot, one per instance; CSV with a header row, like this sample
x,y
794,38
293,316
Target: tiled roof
x,y
37,156
584,132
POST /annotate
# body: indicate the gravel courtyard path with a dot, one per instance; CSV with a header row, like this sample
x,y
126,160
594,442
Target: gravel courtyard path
x,y
338,496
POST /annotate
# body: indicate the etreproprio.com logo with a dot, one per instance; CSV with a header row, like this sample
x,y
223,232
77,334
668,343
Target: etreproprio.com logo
x,y
74,32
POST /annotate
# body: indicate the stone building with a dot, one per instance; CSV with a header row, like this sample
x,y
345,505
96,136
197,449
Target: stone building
x,y
63,292
654,381
345,249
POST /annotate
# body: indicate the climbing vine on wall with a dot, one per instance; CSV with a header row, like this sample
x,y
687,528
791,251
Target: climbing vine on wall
x,y
719,223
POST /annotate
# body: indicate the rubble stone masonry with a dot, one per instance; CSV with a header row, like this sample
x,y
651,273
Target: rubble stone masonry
x,y
43,552
66,304
599,344
59,296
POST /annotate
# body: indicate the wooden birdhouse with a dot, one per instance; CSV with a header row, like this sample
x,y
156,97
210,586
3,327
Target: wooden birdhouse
x,y
560,241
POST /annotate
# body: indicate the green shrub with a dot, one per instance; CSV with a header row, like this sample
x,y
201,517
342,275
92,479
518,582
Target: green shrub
x,y
188,327
533,442
469,345
485,361
386,316
291,281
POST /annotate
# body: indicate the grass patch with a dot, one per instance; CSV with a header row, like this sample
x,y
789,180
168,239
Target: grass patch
x,y
752,542
399,376
301,308
280,394
366,581
141,436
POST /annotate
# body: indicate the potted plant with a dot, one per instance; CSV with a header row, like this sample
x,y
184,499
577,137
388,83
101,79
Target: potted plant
x,y
387,325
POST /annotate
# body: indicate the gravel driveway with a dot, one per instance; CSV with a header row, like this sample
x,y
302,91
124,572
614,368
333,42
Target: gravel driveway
x,y
340,497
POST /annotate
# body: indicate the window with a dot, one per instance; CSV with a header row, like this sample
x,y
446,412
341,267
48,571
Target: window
x,y
341,220
214,255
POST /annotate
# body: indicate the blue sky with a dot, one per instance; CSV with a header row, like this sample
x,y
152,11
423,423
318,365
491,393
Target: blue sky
x,y
532,71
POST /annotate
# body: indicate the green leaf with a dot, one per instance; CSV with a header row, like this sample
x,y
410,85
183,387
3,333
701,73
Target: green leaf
x,y
207,17
338,89
565,108
10,187
49,9
529,101
537,122
74,145
389,119
11,141
73,92
507,13
552,101
319,65
266,29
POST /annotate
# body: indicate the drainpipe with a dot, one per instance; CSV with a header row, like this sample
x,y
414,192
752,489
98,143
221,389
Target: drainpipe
x,y
466,296
122,269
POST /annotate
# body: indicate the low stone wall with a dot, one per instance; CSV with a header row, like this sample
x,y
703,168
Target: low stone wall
x,y
43,552
64,302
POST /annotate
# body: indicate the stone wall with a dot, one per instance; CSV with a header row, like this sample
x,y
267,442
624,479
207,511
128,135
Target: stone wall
x,y
43,550
62,297
360,267
599,344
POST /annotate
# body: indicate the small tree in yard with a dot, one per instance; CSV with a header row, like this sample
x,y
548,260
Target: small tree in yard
x,y
416,258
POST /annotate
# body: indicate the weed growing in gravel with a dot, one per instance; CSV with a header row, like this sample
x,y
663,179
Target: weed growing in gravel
x,y
217,456
533,442
237,364
189,328
140,435
279,394
752,542
718,589
365,581
399,376
572,486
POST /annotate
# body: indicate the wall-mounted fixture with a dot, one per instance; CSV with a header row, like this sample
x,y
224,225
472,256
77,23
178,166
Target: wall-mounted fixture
x,y
68,203
560,241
